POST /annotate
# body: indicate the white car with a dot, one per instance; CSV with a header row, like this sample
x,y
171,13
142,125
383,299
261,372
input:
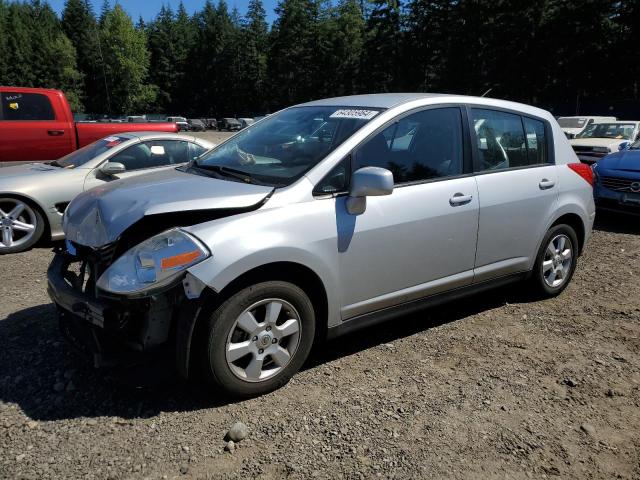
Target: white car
x,y
182,123
600,139
573,126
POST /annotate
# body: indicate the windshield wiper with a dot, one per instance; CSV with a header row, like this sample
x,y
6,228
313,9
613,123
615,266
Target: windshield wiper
x,y
55,163
228,172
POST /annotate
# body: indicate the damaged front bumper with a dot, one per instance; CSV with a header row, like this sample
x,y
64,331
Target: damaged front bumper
x,y
114,331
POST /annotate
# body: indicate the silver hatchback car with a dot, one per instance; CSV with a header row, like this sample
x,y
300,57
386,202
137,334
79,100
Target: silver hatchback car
x,y
316,221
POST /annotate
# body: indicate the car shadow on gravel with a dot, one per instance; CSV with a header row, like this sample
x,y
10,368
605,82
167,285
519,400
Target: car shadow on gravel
x,y
617,223
49,381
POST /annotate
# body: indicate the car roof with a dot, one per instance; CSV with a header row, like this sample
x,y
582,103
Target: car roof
x,y
148,135
390,100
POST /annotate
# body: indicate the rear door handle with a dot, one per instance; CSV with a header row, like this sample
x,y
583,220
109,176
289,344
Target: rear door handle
x,y
55,133
546,184
460,199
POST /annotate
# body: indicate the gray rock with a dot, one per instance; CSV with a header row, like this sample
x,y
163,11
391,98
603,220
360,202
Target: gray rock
x,y
588,429
230,446
238,432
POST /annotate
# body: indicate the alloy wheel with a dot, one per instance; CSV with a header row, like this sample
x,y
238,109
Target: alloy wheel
x,y
18,223
263,340
558,258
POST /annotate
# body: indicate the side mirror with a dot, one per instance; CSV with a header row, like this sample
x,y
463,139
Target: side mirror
x,y
113,168
624,146
368,182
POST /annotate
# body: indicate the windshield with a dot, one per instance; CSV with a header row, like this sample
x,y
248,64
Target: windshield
x,y
619,131
89,152
284,146
572,122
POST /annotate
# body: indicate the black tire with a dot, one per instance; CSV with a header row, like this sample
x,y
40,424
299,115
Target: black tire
x,y
39,230
540,286
215,369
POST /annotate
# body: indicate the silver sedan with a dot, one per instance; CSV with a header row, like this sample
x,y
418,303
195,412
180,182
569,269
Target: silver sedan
x,y
33,197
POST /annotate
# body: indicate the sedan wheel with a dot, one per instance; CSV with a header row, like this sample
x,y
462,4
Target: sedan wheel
x,y
558,260
263,339
258,338
21,226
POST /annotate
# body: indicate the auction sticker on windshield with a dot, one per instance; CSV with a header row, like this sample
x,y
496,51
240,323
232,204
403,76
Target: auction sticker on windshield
x,y
354,113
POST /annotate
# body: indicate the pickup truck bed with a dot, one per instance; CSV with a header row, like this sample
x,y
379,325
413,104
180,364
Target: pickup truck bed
x,y
37,124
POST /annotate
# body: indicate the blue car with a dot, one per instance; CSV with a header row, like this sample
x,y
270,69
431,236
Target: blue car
x,y
617,181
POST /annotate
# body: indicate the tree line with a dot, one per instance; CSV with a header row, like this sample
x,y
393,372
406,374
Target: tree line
x,y
558,54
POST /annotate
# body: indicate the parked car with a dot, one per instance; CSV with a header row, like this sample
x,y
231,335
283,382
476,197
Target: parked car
x,y
617,181
196,125
181,122
212,124
600,139
229,124
33,197
37,124
137,119
321,219
245,122
573,126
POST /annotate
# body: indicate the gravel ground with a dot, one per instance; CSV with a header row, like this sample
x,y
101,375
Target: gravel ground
x,y
493,387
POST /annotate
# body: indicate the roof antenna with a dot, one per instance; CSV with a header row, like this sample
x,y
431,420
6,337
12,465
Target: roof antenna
x,y
487,92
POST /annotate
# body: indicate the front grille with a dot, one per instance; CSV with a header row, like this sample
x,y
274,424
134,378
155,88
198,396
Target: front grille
x,y
87,265
618,184
589,150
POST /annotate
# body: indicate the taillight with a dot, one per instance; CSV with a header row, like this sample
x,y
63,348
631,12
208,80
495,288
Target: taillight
x,y
583,170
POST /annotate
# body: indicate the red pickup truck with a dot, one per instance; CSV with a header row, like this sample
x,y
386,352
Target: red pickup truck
x,y
37,124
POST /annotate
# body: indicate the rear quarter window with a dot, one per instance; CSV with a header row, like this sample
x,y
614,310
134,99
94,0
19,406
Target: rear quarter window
x,y
26,107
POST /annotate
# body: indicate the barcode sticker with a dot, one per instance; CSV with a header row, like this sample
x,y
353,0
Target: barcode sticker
x,y
354,113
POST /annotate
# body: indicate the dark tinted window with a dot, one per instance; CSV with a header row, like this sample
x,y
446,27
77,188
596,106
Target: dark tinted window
x,y
91,151
536,141
156,153
500,139
421,146
26,106
337,181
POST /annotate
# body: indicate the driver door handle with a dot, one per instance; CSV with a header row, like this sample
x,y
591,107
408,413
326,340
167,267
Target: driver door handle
x,y
55,133
460,199
546,184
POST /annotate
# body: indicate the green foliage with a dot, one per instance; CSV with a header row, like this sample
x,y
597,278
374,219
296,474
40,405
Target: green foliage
x,y
126,63
553,53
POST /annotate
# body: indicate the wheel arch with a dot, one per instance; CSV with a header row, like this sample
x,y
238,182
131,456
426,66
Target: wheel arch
x,y
189,340
575,222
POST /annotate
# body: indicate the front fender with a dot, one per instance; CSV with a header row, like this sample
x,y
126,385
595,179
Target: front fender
x,y
303,233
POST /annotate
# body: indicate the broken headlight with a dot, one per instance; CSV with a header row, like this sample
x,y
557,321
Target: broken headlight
x,y
153,264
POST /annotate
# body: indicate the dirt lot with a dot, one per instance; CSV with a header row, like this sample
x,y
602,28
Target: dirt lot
x,y
493,387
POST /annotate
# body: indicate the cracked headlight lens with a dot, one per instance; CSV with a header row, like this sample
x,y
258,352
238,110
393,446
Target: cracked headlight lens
x,y
153,264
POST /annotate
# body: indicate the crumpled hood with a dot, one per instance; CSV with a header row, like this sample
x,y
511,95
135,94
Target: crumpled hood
x,y
611,143
628,160
100,215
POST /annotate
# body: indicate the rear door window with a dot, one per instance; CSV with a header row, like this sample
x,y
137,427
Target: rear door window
x,y
500,139
536,141
26,107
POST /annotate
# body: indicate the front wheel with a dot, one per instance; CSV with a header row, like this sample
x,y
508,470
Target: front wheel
x,y
258,339
556,261
21,226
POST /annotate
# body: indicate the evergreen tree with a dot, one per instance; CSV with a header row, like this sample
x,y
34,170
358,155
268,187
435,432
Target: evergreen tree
x,y
80,25
294,73
253,59
382,50
126,60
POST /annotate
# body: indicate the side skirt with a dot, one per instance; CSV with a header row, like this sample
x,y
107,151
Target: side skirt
x,y
373,318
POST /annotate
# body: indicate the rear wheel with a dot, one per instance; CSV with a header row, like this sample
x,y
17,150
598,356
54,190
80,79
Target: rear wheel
x,y
21,225
556,261
258,339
